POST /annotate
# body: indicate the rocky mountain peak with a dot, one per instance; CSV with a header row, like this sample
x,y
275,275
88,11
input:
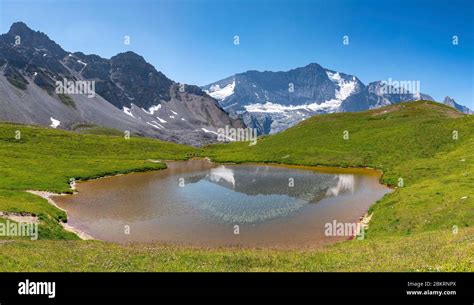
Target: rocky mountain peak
x,y
129,56
448,101
18,28
313,66
452,103
29,39
129,93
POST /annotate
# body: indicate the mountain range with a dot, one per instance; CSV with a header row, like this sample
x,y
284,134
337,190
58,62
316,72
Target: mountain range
x,y
129,94
274,101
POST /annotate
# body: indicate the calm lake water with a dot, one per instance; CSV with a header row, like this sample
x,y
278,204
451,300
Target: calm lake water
x,y
201,203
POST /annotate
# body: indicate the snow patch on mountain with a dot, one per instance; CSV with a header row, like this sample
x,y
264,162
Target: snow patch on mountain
x,y
153,109
161,120
128,111
280,117
155,124
219,93
269,107
54,123
346,88
209,131
327,107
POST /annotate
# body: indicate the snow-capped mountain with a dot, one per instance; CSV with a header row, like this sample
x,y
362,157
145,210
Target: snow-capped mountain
x,y
274,101
129,93
307,85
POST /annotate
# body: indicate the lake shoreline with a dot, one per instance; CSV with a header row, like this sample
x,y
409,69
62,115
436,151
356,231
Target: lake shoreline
x,y
318,169
47,195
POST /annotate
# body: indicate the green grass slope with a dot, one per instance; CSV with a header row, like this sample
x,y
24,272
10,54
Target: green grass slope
x,y
434,251
426,225
46,159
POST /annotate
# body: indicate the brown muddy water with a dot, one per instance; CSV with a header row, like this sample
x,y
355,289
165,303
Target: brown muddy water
x,y
199,203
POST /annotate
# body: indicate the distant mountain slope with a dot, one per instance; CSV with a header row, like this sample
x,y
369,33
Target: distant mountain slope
x,y
310,84
274,101
130,93
452,103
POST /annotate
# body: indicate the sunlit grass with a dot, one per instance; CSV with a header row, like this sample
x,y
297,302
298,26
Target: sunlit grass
x,y
426,224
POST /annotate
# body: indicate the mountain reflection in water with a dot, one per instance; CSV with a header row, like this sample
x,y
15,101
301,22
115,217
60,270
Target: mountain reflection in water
x,y
260,193
200,203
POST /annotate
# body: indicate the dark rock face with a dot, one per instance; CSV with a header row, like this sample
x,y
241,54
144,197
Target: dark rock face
x,y
309,84
374,95
274,101
265,102
140,94
124,78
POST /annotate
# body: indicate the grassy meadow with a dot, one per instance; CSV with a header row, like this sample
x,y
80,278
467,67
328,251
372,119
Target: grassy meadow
x,y
424,149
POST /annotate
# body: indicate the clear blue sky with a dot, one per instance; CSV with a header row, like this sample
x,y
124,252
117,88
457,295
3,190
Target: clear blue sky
x,y
191,41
